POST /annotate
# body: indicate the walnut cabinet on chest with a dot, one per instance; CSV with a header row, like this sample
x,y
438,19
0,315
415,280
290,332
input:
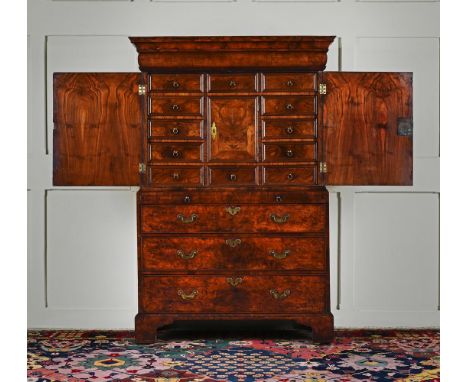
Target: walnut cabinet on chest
x,y
232,141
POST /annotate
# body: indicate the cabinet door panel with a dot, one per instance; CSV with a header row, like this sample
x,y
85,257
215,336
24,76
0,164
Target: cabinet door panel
x,y
367,128
97,129
234,138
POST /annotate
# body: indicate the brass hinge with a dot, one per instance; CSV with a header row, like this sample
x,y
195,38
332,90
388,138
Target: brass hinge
x,y
323,167
323,88
142,168
141,89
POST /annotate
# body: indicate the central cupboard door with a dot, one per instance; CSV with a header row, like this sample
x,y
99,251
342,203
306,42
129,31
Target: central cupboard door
x,y
232,122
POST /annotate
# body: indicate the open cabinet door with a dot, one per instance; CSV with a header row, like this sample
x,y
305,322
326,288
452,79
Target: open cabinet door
x,y
368,128
97,129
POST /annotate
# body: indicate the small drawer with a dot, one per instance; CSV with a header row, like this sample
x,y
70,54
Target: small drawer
x,y
175,152
175,176
289,152
289,82
175,106
288,129
232,176
175,129
233,252
301,105
176,83
236,293
232,83
290,176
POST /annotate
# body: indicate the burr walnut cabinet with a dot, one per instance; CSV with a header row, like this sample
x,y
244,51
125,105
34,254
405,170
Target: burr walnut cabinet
x,y
232,141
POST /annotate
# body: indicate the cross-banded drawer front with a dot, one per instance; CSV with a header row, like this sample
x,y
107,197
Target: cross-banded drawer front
x,y
234,218
287,152
232,83
288,105
175,152
233,252
176,83
288,82
176,106
288,129
236,293
231,176
175,176
175,129
289,175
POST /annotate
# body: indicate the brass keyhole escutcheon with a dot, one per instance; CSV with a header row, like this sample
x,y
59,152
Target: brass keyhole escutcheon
x,y
233,242
234,281
175,107
232,210
214,131
175,84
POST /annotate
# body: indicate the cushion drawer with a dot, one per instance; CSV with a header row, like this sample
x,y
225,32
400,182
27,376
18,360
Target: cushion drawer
x,y
232,83
288,105
287,152
288,82
175,176
176,106
175,152
240,218
289,175
179,83
233,294
233,196
233,252
175,129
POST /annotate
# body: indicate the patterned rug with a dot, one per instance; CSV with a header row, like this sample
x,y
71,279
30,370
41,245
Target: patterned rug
x,y
365,355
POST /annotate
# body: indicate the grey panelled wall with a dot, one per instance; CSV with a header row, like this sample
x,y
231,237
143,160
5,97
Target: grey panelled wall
x,y
384,240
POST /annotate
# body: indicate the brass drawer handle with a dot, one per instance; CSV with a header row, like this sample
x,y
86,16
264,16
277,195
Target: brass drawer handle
x,y
176,154
232,84
191,219
175,130
176,176
291,176
280,255
289,153
290,83
290,130
279,219
187,199
280,295
232,177
234,282
175,84
233,242
232,210
175,107
186,256
187,296
289,107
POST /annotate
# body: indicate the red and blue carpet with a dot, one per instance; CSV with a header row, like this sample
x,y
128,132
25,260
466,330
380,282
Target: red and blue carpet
x,y
365,355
